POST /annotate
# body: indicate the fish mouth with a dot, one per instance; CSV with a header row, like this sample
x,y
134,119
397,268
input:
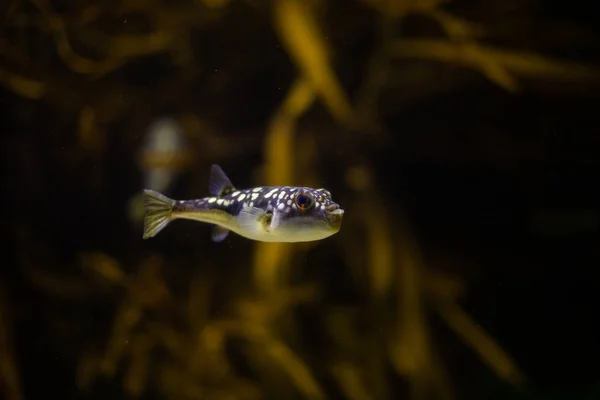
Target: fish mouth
x,y
334,215
333,207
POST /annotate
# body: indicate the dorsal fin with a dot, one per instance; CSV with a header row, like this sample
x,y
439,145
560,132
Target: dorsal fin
x,y
219,184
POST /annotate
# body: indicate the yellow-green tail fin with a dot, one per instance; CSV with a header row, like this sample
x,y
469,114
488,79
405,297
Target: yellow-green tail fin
x,y
158,210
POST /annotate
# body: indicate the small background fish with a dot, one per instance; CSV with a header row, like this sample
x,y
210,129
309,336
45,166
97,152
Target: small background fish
x,y
162,158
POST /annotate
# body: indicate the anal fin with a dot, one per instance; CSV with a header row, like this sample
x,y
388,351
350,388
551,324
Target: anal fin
x,y
219,233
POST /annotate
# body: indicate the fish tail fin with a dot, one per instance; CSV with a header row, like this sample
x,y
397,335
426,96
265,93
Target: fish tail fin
x,y
158,212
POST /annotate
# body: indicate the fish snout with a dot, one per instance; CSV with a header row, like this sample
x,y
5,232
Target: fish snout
x,y
332,207
334,215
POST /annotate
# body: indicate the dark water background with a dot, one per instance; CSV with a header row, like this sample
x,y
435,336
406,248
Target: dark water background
x,y
467,264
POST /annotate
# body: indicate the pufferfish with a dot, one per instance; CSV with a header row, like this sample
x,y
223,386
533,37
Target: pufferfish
x,y
265,214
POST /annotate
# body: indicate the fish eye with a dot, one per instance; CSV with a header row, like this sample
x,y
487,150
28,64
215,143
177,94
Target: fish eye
x,y
304,201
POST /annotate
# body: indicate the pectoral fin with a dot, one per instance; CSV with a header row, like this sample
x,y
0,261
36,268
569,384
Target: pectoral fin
x,y
275,221
254,220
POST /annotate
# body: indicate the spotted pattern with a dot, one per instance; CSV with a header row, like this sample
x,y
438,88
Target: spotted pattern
x,y
280,198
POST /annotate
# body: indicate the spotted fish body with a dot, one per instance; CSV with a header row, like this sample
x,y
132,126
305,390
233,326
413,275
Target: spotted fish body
x,y
267,214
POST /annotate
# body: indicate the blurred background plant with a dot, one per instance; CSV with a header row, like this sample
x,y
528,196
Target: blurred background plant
x,y
459,136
